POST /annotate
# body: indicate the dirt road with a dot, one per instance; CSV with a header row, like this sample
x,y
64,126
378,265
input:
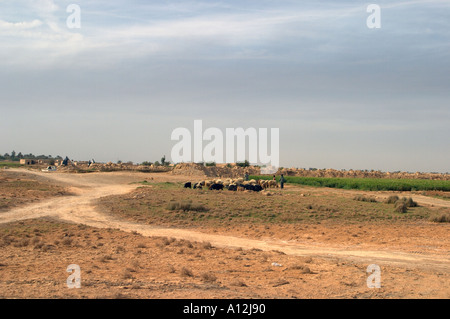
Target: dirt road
x,y
89,187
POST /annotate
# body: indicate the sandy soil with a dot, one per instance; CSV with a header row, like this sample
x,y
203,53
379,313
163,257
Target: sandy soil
x,y
408,271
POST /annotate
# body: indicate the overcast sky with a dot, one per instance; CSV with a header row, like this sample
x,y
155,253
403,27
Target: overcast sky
x,y
343,95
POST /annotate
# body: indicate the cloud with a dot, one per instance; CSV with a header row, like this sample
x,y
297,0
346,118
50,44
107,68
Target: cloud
x,y
4,25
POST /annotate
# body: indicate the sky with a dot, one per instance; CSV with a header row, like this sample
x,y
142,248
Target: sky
x,y
343,95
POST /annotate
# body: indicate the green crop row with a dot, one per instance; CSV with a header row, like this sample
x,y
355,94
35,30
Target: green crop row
x,y
371,184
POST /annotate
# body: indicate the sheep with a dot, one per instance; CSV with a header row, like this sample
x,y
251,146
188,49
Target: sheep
x,y
197,186
216,187
265,184
273,183
209,183
231,185
255,188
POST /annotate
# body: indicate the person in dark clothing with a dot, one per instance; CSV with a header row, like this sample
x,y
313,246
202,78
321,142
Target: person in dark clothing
x,y
282,181
66,161
246,176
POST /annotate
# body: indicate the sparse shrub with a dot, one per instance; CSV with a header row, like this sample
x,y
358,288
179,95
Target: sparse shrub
x,y
243,164
208,277
120,249
127,274
46,248
207,245
171,269
186,272
67,241
363,198
409,202
392,199
7,240
106,258
165,241
303,269
22,243
400,207
186,206
442,218
238,283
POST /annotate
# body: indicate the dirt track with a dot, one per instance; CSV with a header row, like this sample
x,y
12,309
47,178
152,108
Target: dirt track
x,y
88,187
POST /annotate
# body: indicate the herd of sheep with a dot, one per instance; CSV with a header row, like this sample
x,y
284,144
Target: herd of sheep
x,y
233,184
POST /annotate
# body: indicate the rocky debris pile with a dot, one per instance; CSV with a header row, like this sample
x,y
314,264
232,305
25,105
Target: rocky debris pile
x,y
235,171
112,167
330,173
231,171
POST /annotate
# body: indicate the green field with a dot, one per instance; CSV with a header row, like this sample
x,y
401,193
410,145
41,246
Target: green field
x,y
368,184
10,164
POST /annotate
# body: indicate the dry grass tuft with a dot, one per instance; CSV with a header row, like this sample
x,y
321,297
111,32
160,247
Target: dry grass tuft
x,y
401,207
442,218
208,277
186,206
238,283
392,199
303,269
67,241
207,245
186,272
363,198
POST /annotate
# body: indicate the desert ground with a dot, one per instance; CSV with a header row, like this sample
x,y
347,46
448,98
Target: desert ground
x,y
129,241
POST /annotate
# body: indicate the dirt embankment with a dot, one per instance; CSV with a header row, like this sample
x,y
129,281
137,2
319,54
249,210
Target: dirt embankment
x,y
35,254
18,189
233,171
339,271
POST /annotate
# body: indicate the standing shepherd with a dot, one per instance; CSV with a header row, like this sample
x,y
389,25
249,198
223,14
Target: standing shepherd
x,y
246,176
282,181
